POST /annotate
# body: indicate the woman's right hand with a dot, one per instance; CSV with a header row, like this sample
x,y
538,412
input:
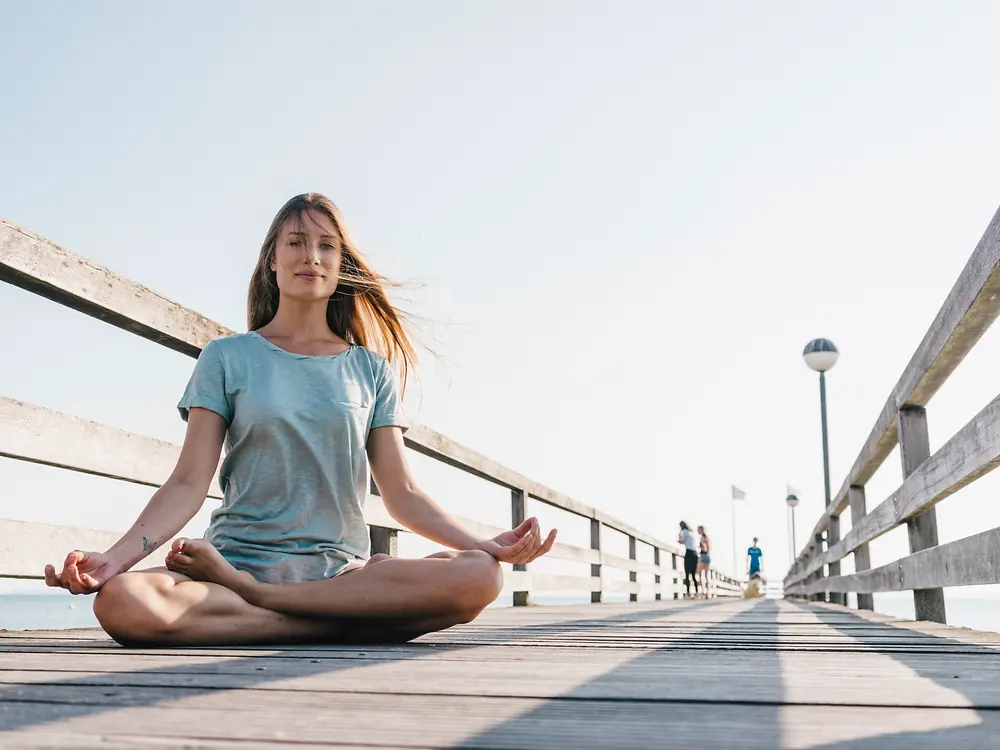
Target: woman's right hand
x,y
83,572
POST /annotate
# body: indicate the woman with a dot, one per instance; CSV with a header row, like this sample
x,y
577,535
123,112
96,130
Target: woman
x,y
704,560
308,407
690,559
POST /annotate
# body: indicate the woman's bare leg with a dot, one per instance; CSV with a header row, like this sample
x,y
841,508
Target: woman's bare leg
x,y
160,607
166,608
446,585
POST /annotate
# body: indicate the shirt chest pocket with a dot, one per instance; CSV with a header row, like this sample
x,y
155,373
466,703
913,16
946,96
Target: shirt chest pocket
x,y
352,396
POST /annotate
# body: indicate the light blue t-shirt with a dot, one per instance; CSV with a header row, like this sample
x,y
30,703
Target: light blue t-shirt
x,y
755,553
295,474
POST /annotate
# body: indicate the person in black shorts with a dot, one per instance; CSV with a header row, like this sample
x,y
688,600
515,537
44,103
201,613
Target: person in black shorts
x,y
690,559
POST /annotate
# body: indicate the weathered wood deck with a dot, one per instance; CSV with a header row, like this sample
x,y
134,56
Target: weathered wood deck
x,y
719,674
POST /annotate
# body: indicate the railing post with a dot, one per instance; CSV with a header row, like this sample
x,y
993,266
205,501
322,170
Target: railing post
x,y
832,537
862,556
819,596
595,569
518,512
674,583
633,576
656,578
914,449
383,541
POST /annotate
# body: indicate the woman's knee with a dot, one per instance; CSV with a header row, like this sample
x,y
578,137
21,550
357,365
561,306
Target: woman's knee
x,y
130,608
478,580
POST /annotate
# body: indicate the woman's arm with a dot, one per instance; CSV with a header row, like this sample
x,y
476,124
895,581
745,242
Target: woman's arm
x,y
166,513
411,507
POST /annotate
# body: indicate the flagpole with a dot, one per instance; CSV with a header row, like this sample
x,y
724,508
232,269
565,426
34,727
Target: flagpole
x,y
736,494
736,572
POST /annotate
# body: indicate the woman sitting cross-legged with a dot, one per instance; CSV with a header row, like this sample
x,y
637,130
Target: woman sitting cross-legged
x,y
308,406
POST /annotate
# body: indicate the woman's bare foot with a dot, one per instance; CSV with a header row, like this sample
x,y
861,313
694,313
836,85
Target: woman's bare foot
x,y
198,559
377,558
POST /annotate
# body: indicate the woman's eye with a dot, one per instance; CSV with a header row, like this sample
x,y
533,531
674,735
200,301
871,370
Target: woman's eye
x,y
328,246
295,243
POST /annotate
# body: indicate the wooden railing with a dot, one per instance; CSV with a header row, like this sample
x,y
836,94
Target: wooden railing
x,y
36,434
966,314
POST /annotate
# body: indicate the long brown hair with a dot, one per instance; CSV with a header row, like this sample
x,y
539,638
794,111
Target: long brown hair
x,y
359,311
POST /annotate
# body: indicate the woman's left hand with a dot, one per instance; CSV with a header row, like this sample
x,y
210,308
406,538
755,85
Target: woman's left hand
x,y
521,545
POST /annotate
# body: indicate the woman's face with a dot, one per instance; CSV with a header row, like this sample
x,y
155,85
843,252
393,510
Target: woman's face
x,y
307,257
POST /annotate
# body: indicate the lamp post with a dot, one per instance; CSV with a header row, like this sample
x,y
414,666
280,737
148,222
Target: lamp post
x,y
821,355
792,501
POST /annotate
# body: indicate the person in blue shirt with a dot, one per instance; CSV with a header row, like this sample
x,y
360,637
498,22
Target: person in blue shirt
x,y
753,556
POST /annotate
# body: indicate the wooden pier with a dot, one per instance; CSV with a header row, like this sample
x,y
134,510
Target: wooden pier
x,y
659,672
745,674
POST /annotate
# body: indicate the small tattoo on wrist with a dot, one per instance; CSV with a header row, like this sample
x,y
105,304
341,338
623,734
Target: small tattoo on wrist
x,y
146,546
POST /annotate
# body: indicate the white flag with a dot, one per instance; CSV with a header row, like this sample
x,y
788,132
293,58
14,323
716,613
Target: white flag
x,y
738,494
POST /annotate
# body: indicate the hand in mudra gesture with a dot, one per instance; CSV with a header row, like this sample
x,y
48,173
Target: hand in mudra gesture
x,y
521,545
82,573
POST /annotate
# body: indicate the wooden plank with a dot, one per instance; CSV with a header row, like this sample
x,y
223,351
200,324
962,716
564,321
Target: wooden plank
x,y
39,435
633,575
862,555
595,567
633,566
966,314
972,561
49,739
434,445
656,562
527,581
625,587
832,537
518,512
914,450
42,267
716,676
26,548
383,541
494,724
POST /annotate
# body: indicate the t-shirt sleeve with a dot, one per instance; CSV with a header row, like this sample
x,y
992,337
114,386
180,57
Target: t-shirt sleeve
x,y
207,386
388,410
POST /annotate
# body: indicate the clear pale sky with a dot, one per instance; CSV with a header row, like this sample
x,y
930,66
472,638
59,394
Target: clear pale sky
x,y
626,221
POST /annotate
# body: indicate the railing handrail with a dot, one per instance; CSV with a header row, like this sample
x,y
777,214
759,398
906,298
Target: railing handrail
x,y
970,308
40,266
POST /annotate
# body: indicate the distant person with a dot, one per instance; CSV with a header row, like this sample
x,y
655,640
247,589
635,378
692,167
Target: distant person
x,y
704,560
690,559
753,560
307,404
754,586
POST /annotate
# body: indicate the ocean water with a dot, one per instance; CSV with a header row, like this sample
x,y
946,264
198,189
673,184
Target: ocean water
x,y
46,612
61,611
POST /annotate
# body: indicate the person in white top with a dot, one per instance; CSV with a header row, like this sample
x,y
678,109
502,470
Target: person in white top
x,y
690,559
